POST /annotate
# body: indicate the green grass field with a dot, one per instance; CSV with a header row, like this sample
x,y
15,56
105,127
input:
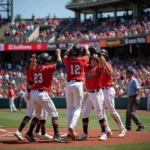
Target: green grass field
x,y
139,146
12,120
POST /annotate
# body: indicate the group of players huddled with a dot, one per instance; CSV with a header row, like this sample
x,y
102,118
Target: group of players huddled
x,y
93,71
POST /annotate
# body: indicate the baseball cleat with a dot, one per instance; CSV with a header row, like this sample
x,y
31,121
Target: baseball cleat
x,y
122,132
103,137
37,135
109,133
82,136
72,134
18,135
140,128
46,137
58,138
30,137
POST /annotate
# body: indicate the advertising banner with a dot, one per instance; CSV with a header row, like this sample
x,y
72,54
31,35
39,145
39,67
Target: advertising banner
x,y
54,46
25,47
89,43
114,42
148,39
135,40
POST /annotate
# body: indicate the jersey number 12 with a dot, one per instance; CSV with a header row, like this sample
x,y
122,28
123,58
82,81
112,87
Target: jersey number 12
x,y
75,69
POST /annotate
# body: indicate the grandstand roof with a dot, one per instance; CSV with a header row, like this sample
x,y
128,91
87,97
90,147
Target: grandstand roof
x,y
106,5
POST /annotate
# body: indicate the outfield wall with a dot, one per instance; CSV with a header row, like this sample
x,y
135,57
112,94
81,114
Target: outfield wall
x,y
60,102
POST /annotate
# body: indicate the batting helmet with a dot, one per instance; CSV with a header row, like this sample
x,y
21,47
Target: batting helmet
x,y
77,49
95,56
43,58
104,52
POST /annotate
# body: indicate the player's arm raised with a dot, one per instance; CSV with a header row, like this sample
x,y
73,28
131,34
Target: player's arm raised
x,y
68,52
59,60
108,67
87,52
33,61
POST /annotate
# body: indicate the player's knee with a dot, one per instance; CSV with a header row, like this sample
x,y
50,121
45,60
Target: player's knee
x,y
85,114
30,114
53,114
112,111
100,116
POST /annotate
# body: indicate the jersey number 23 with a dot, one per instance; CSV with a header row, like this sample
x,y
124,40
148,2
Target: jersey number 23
x,y
38,78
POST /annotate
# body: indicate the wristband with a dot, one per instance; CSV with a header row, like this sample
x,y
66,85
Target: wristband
x,y
28,90
31,82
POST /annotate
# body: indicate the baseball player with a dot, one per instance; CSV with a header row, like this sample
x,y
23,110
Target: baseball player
x,y
11,99
109,93
41,84
31,63
95,98
75,63
148,98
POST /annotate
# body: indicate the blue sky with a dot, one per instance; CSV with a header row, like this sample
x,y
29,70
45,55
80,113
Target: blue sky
x,y
41,8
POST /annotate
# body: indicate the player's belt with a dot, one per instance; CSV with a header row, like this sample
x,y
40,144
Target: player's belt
x,y
104,88
38,90
74,80
94,91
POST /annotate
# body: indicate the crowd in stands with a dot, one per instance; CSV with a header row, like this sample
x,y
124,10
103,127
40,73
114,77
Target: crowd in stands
x,y
20,30
14,74
125,26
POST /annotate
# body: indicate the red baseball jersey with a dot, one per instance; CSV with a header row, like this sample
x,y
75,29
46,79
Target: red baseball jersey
x,y
42,77
93,77
75,67
106,78
11,93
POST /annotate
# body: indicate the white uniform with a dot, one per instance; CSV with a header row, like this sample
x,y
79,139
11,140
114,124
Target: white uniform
x,y
74,87
109,95
31,110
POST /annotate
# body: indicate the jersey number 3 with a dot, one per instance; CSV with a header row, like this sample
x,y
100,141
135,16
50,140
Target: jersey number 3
x,y
38,78
75,69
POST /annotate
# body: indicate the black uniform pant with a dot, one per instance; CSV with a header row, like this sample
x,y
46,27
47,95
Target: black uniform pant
x,y
19,101
131,112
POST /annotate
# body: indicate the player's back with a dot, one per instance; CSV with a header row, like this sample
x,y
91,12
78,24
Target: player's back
x,y
75,67
42,77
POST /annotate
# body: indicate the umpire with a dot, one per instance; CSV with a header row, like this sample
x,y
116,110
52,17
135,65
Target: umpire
x,y
133,92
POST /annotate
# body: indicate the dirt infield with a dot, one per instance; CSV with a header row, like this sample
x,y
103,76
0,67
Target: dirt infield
x,y
7,139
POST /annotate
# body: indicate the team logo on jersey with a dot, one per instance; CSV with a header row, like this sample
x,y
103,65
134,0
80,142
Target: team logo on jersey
x,y
89,75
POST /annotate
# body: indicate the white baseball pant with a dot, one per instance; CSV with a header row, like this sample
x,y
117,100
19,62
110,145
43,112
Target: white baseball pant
x,y
12,105
87,106
109,95
74,99
97,100
41,102
30,107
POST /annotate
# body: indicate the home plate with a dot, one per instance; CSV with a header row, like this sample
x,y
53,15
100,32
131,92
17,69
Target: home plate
x,y
65,135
